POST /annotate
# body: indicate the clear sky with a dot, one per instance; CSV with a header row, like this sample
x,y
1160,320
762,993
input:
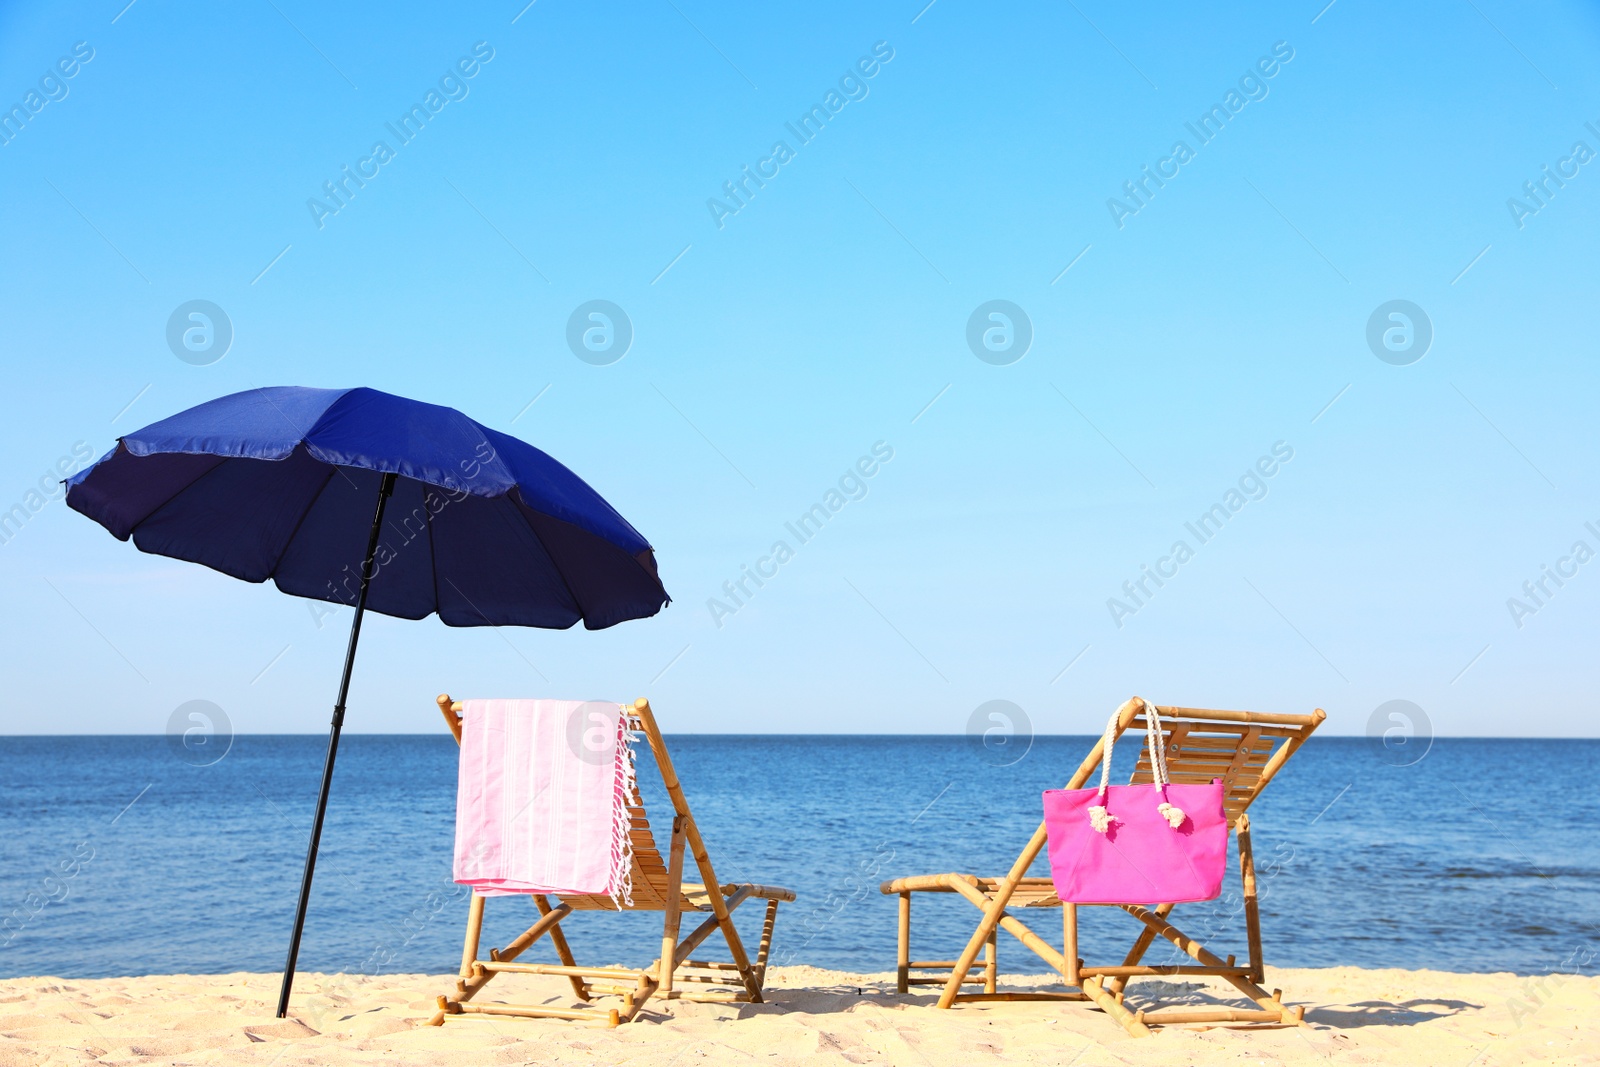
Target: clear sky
x,y
1183,339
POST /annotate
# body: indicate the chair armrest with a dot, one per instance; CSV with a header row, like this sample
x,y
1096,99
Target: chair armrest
x,y
929,883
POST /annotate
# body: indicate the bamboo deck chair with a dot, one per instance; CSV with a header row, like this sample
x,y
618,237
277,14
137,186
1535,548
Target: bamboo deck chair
x,y
1243,748
658,885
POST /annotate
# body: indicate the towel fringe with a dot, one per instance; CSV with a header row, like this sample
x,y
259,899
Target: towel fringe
x,y
620,884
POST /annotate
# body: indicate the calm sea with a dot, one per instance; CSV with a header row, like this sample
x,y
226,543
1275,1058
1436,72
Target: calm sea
x,y
118,857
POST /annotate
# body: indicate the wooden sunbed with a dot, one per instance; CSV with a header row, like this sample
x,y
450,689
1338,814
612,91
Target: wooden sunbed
x,y
1246,750
658,885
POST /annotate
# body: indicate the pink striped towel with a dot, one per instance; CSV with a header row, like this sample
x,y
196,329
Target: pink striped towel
x,y
541,799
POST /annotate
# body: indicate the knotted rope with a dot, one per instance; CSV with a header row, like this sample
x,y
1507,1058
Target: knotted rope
x,y
1099,817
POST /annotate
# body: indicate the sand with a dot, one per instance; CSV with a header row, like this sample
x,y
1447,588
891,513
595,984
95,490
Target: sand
x,y
814,1017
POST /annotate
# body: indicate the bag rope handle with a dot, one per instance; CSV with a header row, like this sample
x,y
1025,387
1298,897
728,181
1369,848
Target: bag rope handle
x,y
1158,766
1101,819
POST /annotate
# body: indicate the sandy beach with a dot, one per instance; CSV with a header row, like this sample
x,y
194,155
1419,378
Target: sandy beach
x,y
814,1017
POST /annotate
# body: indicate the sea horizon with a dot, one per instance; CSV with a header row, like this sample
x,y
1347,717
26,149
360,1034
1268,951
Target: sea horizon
x,y
1321,736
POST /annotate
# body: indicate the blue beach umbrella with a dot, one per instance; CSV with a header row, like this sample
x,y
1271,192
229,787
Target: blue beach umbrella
x,y
454,518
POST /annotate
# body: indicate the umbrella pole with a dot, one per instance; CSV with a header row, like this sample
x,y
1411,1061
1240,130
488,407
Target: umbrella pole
x,y
367,568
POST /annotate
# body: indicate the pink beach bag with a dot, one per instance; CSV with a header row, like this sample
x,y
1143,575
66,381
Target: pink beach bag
x,y
1137,844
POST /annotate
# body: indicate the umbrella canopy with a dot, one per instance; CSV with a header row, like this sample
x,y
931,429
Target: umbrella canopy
x,y
279,483
289,484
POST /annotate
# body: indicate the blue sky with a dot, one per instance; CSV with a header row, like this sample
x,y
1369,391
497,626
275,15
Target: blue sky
x,y
1226,316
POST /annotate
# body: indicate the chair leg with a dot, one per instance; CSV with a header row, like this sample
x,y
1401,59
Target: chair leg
x,y
474,976
1016,928
730,932
1141,945
991,916
697,848
1113,1007
469,956
1069,941
1267,1001
580,989
1252,911
674,910
633,1001
903,951
752,976
469,950
991,962
765,948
